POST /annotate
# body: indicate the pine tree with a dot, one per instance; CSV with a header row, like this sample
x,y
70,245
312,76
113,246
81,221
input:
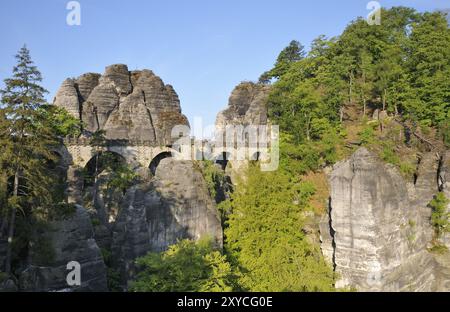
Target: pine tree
x,y
25,137
294,52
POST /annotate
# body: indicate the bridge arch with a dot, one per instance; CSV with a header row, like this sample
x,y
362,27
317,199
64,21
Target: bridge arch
x,y
99,162
157,159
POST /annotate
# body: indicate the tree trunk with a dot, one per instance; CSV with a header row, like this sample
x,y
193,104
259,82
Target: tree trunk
x,y
308,126
350,91
94,190
384,99
12,225
4,211
364,107
364,94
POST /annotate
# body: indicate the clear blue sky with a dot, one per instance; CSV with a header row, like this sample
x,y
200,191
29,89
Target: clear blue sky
x,y
202,47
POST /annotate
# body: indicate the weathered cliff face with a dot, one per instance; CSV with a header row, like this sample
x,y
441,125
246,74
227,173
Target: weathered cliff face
x,y
378,228
175,204
444,185
71,239
134,105
246,106
169,201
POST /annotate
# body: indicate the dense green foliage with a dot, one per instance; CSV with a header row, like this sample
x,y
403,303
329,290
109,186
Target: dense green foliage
x,y
61,122
185,266
214,177
292,53
401,66
264,236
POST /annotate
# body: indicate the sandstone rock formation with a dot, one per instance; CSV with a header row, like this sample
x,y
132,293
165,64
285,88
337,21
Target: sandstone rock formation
x,y
444,185
378,228
72,239
246,106
134,105
175,204
169,201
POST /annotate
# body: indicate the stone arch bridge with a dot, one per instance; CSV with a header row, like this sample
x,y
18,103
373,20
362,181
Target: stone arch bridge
x,y
76,153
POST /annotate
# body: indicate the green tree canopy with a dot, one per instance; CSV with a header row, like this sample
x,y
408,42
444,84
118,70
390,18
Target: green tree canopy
x,y
264,236
185,266
292,53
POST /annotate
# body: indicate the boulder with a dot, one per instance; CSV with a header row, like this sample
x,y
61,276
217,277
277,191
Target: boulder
x,y
119,76
179,205
101,102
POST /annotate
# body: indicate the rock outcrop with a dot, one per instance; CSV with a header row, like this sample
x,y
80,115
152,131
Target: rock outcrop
x,y
176,204
71,239
378,228
246,106
169,201
134,105
444,186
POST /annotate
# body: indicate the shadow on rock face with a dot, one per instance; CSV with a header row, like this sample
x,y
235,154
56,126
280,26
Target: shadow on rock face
x,y
174,205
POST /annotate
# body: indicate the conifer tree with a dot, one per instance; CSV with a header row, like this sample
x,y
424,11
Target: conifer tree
x,y
26,139
294,52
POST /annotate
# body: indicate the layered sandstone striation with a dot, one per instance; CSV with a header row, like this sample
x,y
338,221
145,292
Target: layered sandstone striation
x,y
128,105
444,185
247,106
175,204
378,230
